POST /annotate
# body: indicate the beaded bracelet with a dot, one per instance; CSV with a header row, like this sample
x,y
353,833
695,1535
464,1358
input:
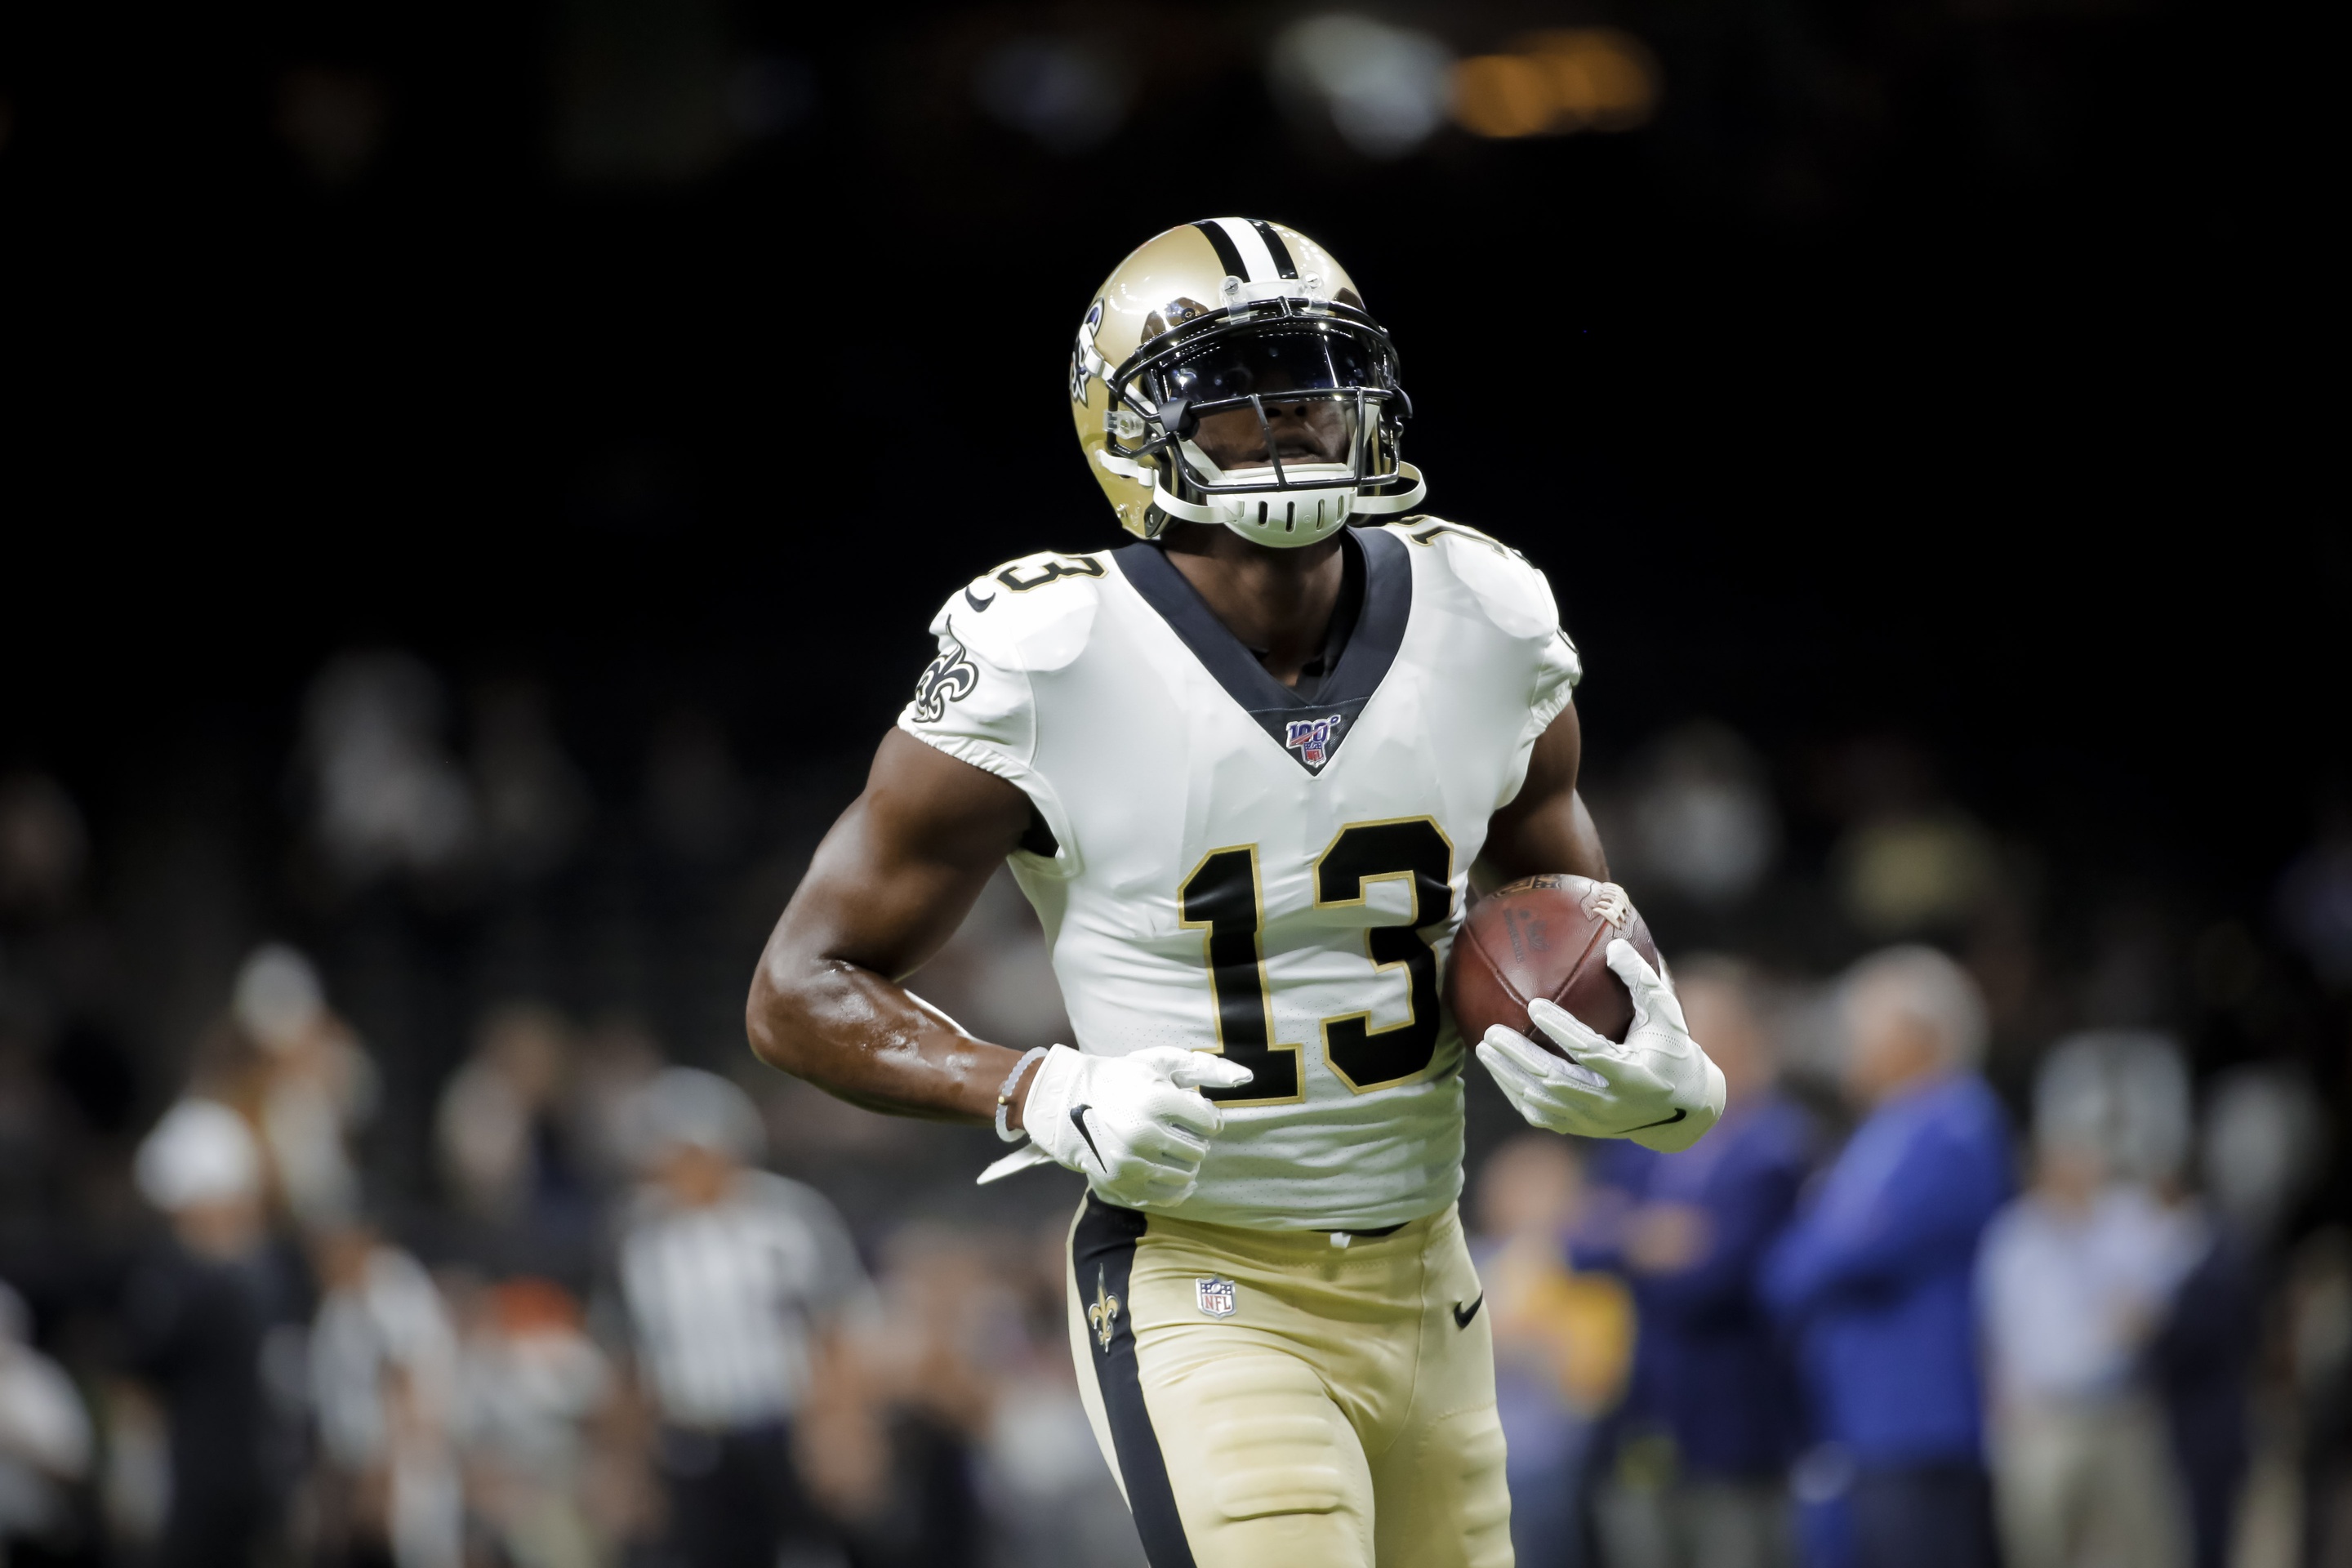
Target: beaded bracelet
x,y
1004,1092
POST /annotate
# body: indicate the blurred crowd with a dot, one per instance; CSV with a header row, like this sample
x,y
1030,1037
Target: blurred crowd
x,y
2016,1246
1856,1326
633,1344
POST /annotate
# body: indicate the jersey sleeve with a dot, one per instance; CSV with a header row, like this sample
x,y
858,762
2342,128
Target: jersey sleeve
x,y
1000,637
1513,594
1558,669
973,703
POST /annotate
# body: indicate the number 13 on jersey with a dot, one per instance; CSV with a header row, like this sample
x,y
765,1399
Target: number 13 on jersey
x,y
1224,897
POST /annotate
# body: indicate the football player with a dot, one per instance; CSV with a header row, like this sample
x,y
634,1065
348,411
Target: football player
x,y
1241,767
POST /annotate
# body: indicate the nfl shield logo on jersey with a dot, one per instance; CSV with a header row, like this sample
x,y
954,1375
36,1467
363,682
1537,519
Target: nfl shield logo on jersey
x,y
1215,1296
1312,738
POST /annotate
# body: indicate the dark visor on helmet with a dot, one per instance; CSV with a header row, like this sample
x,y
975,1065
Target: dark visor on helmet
x,y
1271,362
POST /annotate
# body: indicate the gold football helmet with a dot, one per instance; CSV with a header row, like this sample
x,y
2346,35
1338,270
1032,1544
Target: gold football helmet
x,y
1222,316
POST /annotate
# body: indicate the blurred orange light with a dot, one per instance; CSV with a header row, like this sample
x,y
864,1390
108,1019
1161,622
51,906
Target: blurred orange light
x,y
1566,79
1502,96
1600,77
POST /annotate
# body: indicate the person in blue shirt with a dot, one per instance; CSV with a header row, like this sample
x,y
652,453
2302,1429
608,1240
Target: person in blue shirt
x,y
1874,1277
1690,1231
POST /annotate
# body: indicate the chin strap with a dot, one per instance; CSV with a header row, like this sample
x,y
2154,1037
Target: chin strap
x,y
1389,506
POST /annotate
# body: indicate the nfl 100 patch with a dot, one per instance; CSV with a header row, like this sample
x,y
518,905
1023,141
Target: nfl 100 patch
x,y
1215,1297
1313,739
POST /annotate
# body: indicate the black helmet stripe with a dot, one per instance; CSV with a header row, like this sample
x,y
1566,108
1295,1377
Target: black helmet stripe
x,y
1248,250
1229,255
1275,248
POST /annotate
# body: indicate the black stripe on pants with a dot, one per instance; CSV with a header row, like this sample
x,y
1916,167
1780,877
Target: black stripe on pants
x,y
1102,1258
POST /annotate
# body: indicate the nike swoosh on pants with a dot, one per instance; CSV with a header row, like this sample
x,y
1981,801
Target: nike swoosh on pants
x,y
1462,1315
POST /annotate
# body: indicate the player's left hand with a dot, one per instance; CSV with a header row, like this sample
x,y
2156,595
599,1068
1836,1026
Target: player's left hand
x,y
1657,1088
1138,1126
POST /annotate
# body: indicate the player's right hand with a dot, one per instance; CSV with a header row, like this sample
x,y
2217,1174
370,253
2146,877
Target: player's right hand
x,y
1137,1127
1657,1088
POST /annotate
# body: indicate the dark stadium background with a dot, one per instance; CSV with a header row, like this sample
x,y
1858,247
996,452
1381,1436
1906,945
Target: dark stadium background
x,y
1924,370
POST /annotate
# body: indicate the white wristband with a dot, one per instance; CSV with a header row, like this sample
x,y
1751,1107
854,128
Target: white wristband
x,y
1005,1093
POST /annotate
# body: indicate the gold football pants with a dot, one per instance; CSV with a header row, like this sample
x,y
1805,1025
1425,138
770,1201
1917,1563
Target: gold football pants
x,y
1268,1399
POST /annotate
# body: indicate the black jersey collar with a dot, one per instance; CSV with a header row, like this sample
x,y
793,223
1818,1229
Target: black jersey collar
x,y
1309,729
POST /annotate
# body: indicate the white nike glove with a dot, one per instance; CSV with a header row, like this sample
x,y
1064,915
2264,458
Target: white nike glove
x,y
1137,1127
1657,1088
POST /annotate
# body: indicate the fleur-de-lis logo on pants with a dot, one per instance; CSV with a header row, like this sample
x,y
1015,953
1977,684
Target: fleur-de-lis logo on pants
x,y
1103,1313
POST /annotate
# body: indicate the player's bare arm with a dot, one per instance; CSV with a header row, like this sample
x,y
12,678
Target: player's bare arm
x,y
887,889
1546,827
1656,1086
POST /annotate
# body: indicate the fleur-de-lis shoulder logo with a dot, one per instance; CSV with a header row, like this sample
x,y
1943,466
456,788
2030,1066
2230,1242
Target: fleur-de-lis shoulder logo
x,y
944,679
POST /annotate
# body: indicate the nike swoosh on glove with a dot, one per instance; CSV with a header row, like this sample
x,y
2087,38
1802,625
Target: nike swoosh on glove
x,y
1658,1089
1137,1127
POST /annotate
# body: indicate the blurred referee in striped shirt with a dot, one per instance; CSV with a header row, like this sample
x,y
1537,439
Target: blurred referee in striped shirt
x,y
733,1277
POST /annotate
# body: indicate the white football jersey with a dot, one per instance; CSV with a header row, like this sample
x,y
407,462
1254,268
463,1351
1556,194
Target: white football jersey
x,y
1237,867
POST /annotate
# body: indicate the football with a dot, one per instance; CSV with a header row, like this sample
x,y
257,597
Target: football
x,y
1546,936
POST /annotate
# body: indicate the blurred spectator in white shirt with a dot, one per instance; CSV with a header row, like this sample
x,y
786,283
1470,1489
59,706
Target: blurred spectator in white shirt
x,y
532,1383
2075,1278
314,1084
45,1440
383,1381
734,1278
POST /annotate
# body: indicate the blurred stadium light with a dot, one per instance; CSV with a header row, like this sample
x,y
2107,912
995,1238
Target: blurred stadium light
x,y
1384,86
1070,94
1555,82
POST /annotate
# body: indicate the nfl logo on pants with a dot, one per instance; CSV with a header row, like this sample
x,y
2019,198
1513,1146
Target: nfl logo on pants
x,y
1215,1296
